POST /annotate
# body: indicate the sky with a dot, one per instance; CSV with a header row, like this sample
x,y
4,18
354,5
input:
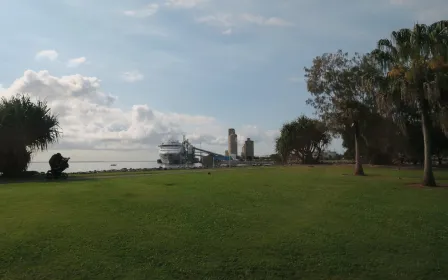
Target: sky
x,y
123,76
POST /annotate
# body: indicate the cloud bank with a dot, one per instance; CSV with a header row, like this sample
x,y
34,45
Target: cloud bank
x,y
91,120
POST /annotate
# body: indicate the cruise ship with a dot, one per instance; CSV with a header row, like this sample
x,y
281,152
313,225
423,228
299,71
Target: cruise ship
x,y
172,152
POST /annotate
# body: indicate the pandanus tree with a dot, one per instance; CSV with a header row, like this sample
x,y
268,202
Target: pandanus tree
x,y
304,137
283,147
25,127
415,69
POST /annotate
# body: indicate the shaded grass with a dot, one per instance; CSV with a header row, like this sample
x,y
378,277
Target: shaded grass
x,y
265,223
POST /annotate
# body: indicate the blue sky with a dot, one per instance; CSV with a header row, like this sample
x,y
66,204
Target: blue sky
x,y
236,63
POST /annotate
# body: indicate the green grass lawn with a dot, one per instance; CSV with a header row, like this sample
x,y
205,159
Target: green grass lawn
x,y
265,223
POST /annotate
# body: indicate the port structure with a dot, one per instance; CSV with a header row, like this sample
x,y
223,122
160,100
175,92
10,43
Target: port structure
x,y
191,152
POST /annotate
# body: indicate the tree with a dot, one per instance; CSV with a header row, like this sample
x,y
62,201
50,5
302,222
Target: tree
x,y
439,144
380,142
276,158
304,137
415,70
25,127
339,96
282,144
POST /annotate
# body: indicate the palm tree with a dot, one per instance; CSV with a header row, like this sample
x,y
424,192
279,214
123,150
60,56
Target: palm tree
x,y
284,143
282,149
414,64
25,127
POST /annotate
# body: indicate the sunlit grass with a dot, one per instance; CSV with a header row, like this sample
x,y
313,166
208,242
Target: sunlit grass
x,y
265,223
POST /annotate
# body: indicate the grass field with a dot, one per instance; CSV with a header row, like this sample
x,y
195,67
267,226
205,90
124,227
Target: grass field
x,y
265,223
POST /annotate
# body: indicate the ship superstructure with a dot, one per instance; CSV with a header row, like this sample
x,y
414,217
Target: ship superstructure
x,y
172,152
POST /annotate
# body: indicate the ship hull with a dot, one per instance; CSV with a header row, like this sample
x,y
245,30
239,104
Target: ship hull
x,y
171,158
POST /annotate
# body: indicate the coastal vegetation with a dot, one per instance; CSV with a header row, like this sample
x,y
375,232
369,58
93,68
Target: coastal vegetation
x,y
389,105
26,126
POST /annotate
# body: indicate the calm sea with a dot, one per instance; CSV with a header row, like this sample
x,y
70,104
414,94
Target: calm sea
x,y
78,166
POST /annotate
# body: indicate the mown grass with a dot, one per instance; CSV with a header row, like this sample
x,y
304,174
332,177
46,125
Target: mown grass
x,y
265,223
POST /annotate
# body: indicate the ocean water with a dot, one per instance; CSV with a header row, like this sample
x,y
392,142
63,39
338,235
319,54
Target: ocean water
x,y
83,166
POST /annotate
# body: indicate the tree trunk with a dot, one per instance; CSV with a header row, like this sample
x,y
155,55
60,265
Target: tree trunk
x,y
428,175
359,171
14,162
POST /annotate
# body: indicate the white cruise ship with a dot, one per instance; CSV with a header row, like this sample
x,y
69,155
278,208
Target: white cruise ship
x,y
172,152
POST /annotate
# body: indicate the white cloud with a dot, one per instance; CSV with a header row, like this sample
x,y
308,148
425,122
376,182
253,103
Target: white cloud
x,y
187,4
259,20
75,62
275,21
256,134
229,20
132,76
47,54
220,20
227,31
91,121
146,11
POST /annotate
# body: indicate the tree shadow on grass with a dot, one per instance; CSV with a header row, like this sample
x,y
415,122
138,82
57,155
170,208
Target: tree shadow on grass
x,y
42,179
365,175
443,185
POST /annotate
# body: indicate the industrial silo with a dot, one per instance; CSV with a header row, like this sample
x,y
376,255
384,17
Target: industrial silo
x,y
233,142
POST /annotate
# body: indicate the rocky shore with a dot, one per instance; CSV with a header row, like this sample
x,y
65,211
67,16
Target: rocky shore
x,y
30,173
124,170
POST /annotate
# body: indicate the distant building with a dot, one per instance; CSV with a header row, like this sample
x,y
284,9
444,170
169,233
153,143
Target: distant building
x,y
226,153
207,161
232,142
248,149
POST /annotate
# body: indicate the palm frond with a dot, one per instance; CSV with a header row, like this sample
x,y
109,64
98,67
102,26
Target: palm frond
x,y
26,125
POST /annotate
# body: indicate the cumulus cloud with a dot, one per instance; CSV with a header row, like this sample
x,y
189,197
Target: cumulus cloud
x,y
91,121
256,134
41,84
187,4
75,62
146,11
132,76
47,54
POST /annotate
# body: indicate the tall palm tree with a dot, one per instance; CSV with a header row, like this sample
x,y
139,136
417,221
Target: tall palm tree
x,y
413,62
25,127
